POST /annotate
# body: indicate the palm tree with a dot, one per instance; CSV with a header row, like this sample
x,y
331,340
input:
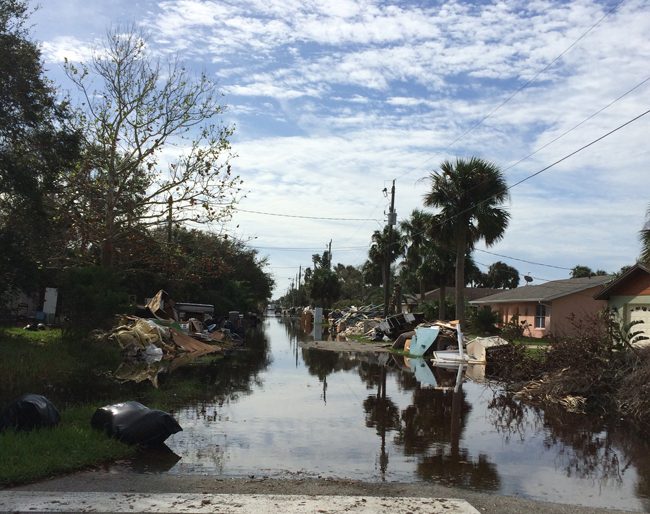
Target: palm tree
x,y
415,230
384,250
469,194
645,241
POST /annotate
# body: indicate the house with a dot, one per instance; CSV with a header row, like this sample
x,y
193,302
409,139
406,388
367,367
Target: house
x,y
629,297
546,309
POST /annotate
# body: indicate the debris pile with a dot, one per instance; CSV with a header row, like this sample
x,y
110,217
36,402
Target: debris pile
x,y
161,341
368,321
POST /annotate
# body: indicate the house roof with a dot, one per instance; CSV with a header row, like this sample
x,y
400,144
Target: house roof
x,y
546,292
605,293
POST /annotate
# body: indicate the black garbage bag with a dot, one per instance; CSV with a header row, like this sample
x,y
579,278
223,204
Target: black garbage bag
x,y
134,423
28,412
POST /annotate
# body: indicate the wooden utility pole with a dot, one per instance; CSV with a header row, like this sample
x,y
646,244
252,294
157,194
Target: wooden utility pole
x,y
392,220
170,219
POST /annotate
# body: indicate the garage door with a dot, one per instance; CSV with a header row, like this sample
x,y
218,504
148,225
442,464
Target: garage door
x,y
640,313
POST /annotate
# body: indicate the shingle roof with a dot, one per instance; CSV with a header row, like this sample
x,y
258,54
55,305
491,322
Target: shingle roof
x,y
546,292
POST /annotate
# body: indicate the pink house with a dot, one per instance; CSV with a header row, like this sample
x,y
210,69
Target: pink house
x,y
547,309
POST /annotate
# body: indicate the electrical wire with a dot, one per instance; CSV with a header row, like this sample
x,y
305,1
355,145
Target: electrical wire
x,y
579,124
524,260
303,217
526,84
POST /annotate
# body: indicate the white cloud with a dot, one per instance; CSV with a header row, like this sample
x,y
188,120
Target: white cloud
x,y
366,91
67,47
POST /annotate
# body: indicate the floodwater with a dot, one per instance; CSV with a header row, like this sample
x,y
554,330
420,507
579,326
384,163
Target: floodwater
x,y
282,411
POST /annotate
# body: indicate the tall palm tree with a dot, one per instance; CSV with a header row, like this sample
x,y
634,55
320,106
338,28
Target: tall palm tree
x,y
415,230
383,253
469,194
645,241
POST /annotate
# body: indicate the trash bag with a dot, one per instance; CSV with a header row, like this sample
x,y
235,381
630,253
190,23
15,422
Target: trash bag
x,y
134,423
28,412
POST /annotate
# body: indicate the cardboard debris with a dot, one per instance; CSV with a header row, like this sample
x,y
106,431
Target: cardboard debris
x,y
162,306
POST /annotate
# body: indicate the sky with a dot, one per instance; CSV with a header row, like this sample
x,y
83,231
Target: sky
x,y
333,100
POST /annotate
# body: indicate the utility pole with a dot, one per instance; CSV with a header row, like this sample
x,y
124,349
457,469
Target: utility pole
x,y
170,219
392,220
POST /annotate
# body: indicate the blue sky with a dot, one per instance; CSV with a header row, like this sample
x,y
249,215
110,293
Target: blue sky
x,y
332,100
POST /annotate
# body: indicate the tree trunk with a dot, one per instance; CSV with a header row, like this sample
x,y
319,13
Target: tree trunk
x,y
442,306
461,248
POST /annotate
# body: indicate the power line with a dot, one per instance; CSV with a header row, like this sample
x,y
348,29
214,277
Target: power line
x,y
530,81
591,143
527,83
514,272
303,217
524,260
579,124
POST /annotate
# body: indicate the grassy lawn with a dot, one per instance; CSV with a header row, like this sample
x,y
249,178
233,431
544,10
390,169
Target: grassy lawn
x,y
72,445
33,361
45,362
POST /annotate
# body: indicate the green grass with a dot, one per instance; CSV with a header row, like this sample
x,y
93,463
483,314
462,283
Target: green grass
x,y
70,446
532,341
34,360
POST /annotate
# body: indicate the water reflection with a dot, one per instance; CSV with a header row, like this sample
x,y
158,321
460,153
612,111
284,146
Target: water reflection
x,y
277,409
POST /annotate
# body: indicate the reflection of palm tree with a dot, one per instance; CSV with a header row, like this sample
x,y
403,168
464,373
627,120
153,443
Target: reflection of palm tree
x,y
432,427
383,414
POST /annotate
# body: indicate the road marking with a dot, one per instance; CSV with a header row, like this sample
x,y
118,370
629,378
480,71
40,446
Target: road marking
x,y
35,501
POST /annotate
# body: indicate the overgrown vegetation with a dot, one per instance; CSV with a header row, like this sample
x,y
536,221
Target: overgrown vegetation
x,y
595,370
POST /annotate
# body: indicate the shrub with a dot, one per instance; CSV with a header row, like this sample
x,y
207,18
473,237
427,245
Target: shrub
x,y
483,320
513,330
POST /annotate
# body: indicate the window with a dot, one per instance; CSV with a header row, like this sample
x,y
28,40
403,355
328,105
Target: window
x,y
540,316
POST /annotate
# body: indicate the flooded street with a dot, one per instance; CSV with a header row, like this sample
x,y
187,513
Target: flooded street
x,y
281,411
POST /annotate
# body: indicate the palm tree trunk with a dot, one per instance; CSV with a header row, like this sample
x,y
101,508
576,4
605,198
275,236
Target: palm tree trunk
x,y
461,248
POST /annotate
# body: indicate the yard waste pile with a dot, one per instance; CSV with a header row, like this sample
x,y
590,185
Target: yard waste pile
x,y
134,423
28,412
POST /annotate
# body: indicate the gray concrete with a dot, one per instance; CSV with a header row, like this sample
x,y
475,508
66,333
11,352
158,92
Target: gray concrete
x,y
43,501
122,481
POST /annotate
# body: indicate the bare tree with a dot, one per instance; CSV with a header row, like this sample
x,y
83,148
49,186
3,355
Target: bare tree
x,y
155,149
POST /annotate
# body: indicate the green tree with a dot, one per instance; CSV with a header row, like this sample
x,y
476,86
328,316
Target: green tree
x,y
352,283
416,229
35,150
470,194
324,283
645,241
381,253
135,112
501,276
581,271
